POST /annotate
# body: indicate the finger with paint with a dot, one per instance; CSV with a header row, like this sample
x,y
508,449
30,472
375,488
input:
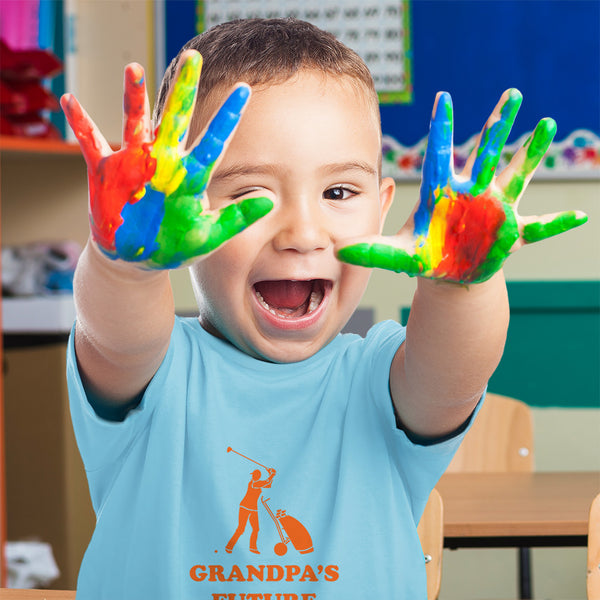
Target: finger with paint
x,y
514,179
114,178
465,226
147,200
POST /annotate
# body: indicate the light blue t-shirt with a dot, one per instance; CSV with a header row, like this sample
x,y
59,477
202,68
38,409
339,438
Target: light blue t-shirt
x,y
186,507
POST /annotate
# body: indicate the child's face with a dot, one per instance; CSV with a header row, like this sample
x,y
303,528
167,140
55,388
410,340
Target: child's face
x,y
277,291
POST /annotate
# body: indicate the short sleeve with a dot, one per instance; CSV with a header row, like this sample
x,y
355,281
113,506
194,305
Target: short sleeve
x,y
102,443
423,465
420,465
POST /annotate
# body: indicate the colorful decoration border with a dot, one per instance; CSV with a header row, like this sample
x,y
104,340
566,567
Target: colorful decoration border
x,y
575,157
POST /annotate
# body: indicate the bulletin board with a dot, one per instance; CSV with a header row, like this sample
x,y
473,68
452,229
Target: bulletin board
x,y
548,49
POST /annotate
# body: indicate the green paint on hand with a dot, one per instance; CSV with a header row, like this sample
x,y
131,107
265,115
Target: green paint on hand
x,y
535,232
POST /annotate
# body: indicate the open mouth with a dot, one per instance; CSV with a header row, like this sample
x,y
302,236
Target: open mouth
x,y
291,299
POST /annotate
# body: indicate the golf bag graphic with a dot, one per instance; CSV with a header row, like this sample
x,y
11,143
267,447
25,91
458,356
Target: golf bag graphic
x,y
288,528
294,532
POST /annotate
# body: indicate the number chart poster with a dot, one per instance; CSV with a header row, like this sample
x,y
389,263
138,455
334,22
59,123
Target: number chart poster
x,y
474,49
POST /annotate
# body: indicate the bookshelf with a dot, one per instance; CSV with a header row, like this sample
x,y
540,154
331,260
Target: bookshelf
x,y
43,196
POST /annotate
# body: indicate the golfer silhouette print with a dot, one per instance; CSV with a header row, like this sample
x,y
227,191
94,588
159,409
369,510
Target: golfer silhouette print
x,y
249,510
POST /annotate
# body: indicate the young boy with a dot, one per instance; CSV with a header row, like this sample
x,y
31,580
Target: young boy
x,y
177,419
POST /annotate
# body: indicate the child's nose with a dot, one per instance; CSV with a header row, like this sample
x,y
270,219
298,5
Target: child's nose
x,y
301,227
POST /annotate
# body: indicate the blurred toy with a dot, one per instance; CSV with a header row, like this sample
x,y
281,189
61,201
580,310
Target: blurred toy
x,y
30,564
23,95
39,268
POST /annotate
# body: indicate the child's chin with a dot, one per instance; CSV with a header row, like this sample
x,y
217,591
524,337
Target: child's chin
x,y
289,352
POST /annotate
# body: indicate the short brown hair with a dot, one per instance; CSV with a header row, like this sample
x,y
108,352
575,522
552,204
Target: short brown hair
x,y
261,51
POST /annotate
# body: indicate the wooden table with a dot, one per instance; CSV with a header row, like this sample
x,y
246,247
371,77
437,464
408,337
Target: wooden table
x,y
492,510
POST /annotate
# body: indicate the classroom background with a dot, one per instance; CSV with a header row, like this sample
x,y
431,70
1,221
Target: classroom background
x,y
550,50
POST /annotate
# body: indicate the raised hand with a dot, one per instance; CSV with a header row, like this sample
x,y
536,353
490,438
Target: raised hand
x,y
147,201
465,226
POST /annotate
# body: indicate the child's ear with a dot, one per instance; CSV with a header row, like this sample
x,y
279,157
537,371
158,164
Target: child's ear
x,y
387,189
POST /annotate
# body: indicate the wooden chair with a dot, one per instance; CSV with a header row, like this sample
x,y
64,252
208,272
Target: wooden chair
x,y
593,557
431,534
500,440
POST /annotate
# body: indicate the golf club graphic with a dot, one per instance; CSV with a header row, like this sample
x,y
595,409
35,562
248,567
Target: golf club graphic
x,y
230,449
288,528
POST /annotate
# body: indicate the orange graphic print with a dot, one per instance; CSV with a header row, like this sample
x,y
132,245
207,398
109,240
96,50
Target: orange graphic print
x,y
288,528
249,511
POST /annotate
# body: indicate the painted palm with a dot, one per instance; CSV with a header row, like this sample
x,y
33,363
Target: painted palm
x,y
147,200
465,226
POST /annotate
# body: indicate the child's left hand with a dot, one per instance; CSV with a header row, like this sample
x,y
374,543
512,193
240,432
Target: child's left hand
x,y
465,226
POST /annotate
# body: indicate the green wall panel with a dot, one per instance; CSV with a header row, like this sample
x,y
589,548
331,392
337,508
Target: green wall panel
x,y
552,354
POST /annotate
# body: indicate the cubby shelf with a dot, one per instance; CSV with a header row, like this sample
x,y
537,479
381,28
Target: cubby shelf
x,y
37,146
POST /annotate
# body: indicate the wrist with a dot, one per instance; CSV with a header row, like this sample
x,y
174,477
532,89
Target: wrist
x,y
448,291
443,285
118,268
102,285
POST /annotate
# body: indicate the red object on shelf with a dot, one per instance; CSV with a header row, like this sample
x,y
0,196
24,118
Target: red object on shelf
x,y
22,97
31,125
28,64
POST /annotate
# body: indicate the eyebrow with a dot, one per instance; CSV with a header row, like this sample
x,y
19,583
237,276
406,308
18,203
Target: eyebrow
x,y
342,167
240,170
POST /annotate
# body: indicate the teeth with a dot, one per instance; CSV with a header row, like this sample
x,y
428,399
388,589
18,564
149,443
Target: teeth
x,y
316,297
264,303
315,300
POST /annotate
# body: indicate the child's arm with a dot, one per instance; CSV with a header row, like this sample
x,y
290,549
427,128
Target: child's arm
x,y
124,321
454,341
147,214
462,230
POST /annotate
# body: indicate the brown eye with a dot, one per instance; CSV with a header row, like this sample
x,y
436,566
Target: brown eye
x,y
338,193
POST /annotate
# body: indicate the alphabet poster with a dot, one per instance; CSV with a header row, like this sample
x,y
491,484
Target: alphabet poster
x,y
377,30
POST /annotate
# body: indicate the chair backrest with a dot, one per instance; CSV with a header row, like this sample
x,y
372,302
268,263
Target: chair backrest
x,y
593,558
431,534
500,439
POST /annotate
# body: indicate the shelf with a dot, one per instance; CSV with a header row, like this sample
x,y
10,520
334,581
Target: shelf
x,y
37,146
47,314
16,145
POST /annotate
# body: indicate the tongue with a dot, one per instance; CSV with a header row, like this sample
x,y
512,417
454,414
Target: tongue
x,y
285,294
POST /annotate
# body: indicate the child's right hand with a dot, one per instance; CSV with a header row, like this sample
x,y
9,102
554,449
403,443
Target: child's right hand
x,y
147,200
